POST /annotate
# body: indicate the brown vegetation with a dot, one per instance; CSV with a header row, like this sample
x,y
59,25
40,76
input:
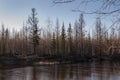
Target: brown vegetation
x,y
71,41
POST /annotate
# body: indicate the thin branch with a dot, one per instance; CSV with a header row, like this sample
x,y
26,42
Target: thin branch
x,y
62,1
111,12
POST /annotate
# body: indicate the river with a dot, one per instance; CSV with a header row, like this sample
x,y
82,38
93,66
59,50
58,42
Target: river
x,y
79,71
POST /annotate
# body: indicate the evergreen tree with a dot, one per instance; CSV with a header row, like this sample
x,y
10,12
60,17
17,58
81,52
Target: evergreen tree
x,y
69,39
63,40
53,44
34,32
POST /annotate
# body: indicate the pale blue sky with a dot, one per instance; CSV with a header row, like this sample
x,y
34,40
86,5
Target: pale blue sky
x,y
14,12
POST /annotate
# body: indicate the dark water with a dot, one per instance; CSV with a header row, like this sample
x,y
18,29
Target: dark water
x,y
81,71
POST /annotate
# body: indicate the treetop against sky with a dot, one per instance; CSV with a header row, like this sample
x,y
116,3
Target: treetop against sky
x,y
14,12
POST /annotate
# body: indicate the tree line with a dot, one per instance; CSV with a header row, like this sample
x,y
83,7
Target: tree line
x,y
59,40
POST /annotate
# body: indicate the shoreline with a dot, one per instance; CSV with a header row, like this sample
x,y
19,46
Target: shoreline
x,y
11,61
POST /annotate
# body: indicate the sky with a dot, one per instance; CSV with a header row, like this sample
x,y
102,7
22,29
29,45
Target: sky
x,y
13,13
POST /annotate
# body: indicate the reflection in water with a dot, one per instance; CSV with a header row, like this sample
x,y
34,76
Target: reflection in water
x,y
81,71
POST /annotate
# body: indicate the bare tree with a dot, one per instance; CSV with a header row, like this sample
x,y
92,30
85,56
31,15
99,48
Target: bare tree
x,y
76,37
57,36
3,46
7,39
49,35
81,26
98,35
104,7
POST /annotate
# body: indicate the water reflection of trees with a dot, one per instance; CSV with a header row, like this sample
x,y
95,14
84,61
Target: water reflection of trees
x,y
83,71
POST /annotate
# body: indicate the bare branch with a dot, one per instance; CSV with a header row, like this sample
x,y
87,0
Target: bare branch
x,y
105,7
95,12
62,1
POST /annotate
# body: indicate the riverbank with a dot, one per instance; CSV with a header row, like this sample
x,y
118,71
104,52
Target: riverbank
x,y
14,61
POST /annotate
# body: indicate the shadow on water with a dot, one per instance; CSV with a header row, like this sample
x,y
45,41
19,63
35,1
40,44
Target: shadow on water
x,y
81,71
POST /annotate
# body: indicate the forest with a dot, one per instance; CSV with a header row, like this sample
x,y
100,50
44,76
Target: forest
x,y
60,42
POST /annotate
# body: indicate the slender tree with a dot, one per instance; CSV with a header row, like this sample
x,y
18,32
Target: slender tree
x,y
76,38
81,26
57,35
63,39
98,35
7,39
49,35
3,46
34,34
70,39
53,44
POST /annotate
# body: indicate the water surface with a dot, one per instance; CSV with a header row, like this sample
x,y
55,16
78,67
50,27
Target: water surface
x,y
81,71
